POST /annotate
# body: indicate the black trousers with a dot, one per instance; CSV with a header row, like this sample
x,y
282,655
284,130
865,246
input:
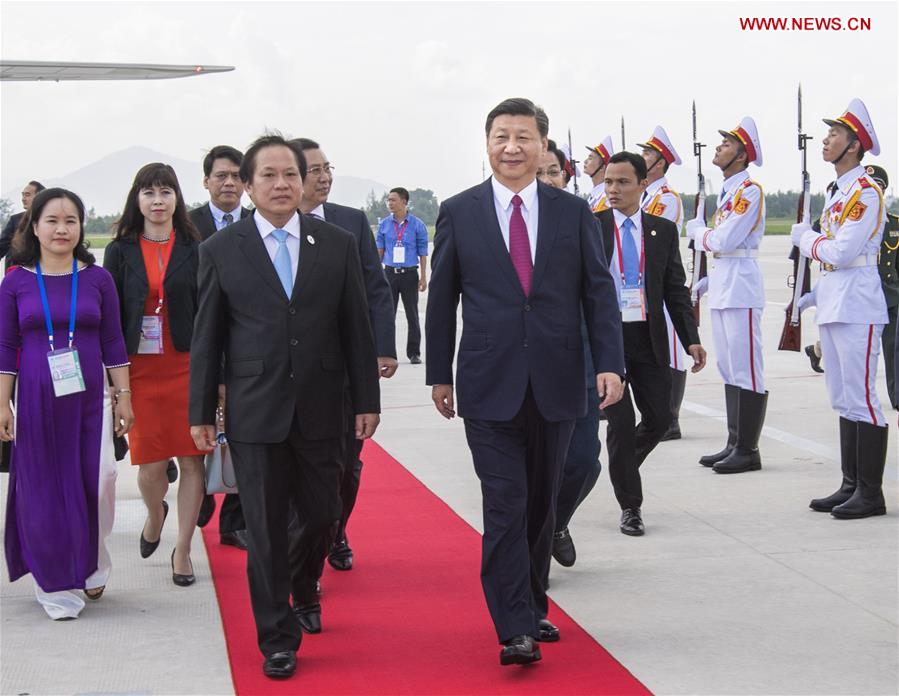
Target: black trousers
x,y
306,567
231,515
888,341
405,285
582,465
272,477
649,386
519,463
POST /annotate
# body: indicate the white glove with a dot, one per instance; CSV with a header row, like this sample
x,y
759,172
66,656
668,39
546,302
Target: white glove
x,y
797,230
702,287
695,227
807,300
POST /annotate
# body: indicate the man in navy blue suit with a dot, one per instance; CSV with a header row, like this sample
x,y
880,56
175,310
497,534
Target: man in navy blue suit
x,y
527,262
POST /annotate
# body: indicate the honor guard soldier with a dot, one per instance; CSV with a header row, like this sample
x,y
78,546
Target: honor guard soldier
x,y
595,168
737,296
889,279
851,311
662,200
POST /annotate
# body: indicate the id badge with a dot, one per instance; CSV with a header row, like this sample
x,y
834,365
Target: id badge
x,y
65,369
399,254
150,335
633,308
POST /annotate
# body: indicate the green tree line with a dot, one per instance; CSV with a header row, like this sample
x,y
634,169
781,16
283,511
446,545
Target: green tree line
x,y
423,204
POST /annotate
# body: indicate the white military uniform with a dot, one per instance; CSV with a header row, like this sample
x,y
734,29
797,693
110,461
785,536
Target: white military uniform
x,y
851,308
659,199
597,197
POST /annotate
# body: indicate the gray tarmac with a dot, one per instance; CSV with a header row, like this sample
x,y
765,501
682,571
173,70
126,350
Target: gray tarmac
x,y
736,588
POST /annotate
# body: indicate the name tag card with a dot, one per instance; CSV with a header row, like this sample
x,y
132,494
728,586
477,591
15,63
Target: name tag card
x,y
65,369
399,254
633,305
150,335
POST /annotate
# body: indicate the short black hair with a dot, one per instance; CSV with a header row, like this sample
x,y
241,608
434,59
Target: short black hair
x,y
306,144
270,139
26,249
519,106
38,186
221,152
634,159
401,192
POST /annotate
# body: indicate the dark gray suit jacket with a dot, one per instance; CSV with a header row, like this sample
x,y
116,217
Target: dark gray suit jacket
x,y
377,290
282,355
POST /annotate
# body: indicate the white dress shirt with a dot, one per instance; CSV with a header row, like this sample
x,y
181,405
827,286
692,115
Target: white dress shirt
x,y
271,244
614,267
502,201
318,212
219,216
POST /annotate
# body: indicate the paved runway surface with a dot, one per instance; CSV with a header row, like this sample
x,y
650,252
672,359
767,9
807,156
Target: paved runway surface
x,y
736,588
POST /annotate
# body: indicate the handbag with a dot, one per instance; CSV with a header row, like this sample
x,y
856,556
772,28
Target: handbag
x,y
220,477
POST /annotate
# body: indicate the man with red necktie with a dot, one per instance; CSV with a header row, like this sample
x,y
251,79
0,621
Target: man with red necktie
x,y
524,259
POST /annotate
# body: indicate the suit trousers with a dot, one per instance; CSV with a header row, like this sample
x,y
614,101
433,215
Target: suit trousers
x,y
649,386
582,465
405,286
231,515
272,477
519,463
306,567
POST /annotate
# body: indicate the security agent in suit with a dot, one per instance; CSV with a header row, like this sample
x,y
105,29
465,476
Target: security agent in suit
x,y
646,264
31,189
221,177
523,258
282,302
316,188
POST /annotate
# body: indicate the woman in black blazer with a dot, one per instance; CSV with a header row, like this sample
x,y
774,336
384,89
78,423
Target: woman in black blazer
x,y
153,260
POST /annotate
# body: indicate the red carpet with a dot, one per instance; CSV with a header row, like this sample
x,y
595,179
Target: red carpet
x,y
400,624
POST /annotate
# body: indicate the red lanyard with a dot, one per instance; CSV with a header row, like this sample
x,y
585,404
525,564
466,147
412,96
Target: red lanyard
x,y
621,260
163,254
400,230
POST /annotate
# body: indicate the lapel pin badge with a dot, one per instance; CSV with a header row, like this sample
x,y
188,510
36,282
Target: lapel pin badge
x,y
310,239
653,233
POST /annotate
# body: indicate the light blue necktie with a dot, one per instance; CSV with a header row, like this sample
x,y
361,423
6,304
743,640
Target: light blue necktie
x,y
282,261
629,255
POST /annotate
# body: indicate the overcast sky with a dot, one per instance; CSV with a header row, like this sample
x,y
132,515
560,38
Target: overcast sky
x,y
398,92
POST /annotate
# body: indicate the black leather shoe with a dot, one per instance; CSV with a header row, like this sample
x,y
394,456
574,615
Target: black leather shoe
x,y
148,547
207,507
280,665
182,580
673,432
549,632
631,522
813,358
236,538
310,617
171,471
415,360
341,555
520,650
563,548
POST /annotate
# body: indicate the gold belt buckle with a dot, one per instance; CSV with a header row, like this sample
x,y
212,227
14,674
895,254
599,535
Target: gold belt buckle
x,y
716,255
828,266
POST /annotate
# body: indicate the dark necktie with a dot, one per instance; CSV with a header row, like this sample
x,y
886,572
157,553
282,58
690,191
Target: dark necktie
x,y
227,218
316,216
520,247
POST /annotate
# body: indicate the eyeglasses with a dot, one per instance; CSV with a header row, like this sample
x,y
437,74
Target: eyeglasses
x,y
318,170
552,171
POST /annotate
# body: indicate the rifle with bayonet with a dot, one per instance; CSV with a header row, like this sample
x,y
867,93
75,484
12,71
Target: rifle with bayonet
x,y
573,162
623,141
700,269
791,336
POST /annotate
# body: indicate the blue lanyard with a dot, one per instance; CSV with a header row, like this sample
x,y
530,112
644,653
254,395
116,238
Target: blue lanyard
x,y
40,284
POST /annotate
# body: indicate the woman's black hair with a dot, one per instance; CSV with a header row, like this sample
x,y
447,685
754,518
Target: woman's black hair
x,y
26,247
131,224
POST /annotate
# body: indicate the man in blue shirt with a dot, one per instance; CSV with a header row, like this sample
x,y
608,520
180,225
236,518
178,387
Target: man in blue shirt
x,y
402,242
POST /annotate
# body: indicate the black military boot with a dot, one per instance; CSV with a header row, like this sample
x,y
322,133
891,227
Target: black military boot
x,y
678,384
848,462
867,500
731,402
750,419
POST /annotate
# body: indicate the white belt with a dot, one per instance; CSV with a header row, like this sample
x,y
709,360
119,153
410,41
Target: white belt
x,y
857,262
737,254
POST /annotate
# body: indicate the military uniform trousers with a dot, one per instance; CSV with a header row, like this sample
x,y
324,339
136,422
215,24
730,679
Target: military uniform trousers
x,y
850,353
738,347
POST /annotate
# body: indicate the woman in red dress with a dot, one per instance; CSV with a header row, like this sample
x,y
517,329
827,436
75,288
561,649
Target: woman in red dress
x,y
153,260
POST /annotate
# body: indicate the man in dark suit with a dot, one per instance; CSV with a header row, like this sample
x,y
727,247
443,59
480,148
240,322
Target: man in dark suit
x,y
524,258
316,188
282,302
221,177
646,264
32,188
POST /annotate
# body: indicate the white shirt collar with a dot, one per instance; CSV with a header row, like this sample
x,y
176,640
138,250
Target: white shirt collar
x,y
319,211
636,218
504,195
845,181
292,227
218,214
